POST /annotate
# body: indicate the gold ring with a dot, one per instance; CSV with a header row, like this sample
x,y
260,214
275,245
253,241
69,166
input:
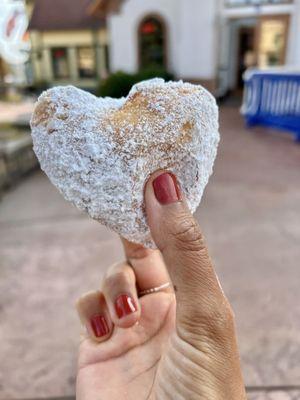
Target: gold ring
x,y
155,289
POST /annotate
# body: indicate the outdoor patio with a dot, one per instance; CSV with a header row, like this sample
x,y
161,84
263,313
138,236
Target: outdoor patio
x,y
50,254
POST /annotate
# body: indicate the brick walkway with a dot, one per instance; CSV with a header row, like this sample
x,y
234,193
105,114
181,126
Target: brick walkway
x,y
50,254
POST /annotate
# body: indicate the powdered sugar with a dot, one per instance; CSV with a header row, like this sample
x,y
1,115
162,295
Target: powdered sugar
x,y
99,152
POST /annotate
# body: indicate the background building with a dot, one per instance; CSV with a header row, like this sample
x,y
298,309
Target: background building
x,y
177,34
263,33
69,44
210,42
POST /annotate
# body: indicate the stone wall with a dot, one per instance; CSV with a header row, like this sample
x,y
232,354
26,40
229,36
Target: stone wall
x,y
16,159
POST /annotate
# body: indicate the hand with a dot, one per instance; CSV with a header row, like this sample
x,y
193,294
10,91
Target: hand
x,y
171,345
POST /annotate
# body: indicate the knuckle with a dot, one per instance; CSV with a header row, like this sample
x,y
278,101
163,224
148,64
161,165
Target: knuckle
x,y
215,322
187,234
117,280
222,320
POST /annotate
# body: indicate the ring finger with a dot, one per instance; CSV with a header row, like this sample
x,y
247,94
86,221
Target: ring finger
x,y
119,289
94,315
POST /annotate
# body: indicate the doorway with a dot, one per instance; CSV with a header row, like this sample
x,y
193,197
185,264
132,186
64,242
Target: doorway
x,y
152,42
246,57
255,42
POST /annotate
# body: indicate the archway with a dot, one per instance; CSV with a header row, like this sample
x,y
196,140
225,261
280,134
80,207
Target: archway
x,y
152,43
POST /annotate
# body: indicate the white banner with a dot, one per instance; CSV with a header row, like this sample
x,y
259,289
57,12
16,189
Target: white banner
x,y
14,43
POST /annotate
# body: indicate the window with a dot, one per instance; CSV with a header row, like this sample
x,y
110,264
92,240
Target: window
x,y
60,63
152,43
272,41
86,61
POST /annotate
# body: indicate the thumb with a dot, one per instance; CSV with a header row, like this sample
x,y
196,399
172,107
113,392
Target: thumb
x,y
200,299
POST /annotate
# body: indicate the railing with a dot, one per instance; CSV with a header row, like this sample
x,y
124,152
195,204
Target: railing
x,y
272,98
238,3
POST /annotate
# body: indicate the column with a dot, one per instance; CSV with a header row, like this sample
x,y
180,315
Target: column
x,y
73,65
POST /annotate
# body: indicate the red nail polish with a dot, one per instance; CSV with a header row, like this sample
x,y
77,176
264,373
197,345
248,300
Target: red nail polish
x,y
99,325
166,188
125,305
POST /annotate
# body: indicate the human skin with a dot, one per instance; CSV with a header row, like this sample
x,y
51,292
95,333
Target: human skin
x,y
179,343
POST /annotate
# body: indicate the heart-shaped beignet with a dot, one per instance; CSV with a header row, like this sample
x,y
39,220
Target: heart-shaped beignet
x,y
100,151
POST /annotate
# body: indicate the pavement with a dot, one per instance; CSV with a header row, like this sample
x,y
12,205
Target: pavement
x,y
50,254
16,113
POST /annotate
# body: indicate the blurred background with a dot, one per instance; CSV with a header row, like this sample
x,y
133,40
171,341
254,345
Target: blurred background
x,y
247,53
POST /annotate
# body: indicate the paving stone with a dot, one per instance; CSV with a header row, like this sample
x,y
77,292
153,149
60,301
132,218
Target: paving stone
x,y
275,395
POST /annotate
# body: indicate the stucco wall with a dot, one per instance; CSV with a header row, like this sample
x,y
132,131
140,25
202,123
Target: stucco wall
x,y
197,41
123,31
191,31
294,43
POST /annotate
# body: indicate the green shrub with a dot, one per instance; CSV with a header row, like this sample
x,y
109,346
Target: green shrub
x,y
150,73
116,85
119,84
39,86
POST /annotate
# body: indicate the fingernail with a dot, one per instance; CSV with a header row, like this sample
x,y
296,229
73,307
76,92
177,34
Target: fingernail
x,y
166,188
99,325
125,305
